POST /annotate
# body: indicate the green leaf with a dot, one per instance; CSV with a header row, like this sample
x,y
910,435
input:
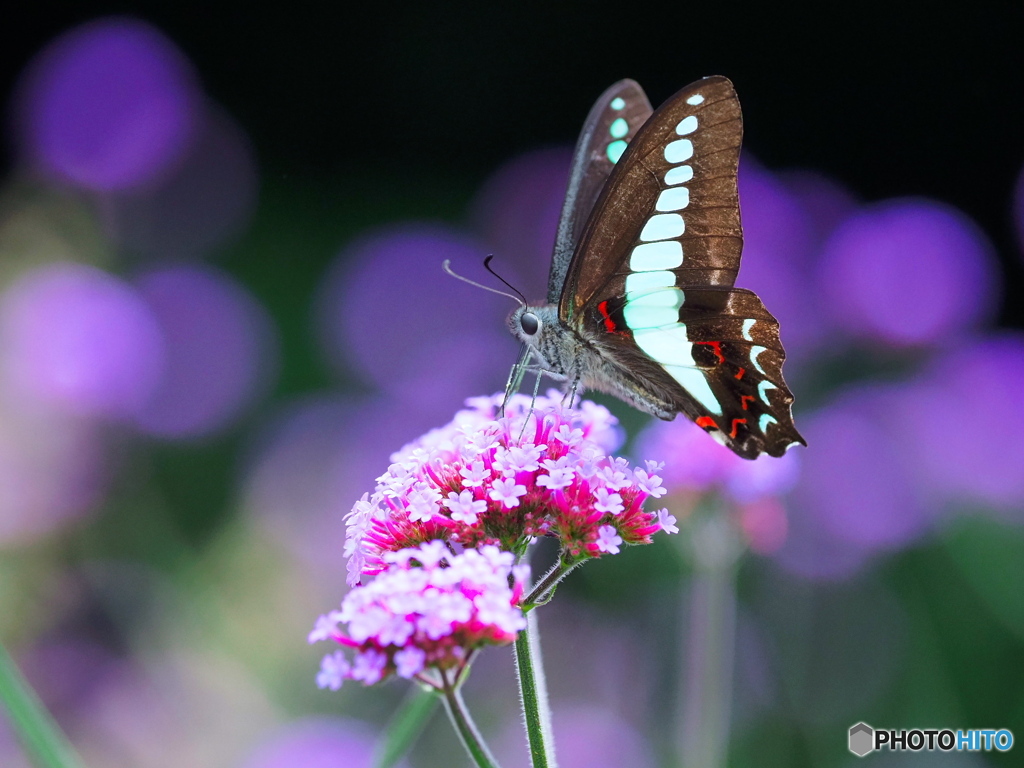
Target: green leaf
x,y
39,734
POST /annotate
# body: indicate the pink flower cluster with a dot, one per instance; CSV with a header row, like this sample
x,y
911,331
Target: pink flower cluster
x,y
540,470
428,610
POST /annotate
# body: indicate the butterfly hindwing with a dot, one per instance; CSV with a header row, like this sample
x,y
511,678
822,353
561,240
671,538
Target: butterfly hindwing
x,y
720,363
612,123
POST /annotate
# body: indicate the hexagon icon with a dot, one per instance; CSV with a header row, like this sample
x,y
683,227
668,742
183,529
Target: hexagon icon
x,y
862,737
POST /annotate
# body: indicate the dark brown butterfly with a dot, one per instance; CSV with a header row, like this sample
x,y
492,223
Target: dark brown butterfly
x,y
641,303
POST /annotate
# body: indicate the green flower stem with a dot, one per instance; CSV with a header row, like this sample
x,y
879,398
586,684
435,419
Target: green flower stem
x,y
465,726
534,695
40,736
406,726
541,593
708,670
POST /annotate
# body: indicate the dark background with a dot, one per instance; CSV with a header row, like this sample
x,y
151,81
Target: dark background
x,y
892,100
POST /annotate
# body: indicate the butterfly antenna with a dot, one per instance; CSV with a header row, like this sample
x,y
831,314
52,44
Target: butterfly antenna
x,y
447,267
487,266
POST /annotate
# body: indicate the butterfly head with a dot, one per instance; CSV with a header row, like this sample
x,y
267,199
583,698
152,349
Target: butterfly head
x,y
540,329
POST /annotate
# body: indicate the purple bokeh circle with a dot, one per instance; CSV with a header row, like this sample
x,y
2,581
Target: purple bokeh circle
x,y
908,272
857,483
516,212
965,423
316,743
206,201
80,339
425,338
108,105
217,341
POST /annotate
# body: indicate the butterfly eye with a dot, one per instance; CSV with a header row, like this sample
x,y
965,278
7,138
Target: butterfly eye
x,y
530,323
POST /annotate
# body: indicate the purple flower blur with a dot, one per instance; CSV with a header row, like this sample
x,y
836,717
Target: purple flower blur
x,y
216,340
109,105
908,272
962,425
423,337
856,494
206,200
316,743
78,338
516,212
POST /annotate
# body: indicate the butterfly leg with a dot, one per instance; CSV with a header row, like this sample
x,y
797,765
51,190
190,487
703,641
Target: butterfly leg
x,y
539,372
570,392
515,376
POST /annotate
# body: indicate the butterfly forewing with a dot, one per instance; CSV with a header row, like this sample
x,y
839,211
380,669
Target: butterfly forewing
x,y
650,282
673,192
612,123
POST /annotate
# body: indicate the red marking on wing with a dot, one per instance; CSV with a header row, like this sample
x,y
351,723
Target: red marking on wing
x,y
740,374
735,425
744,399
706,422
608,322
715,345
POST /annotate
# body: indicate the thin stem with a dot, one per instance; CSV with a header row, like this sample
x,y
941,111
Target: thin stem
x,y
42,739
406,726
539,594
534,696
706,710
464,726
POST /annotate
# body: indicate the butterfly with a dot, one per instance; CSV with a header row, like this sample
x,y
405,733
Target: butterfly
x,y
641,303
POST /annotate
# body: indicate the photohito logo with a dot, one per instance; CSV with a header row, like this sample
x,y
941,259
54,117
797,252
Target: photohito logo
x,y
864,739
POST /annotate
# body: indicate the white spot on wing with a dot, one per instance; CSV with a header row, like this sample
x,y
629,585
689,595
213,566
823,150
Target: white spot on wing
x,y
687,125
754,352
663,226
673,199
667,254
643,316
679,151
679,175
693,381
653,308
747,326
765,420
719,437
667,345
642,282
695,99
762,391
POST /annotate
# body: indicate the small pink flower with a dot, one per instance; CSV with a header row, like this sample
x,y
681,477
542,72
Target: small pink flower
x,y
667,522
507,491
608,539
428,610
606,501
464,508
334,668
